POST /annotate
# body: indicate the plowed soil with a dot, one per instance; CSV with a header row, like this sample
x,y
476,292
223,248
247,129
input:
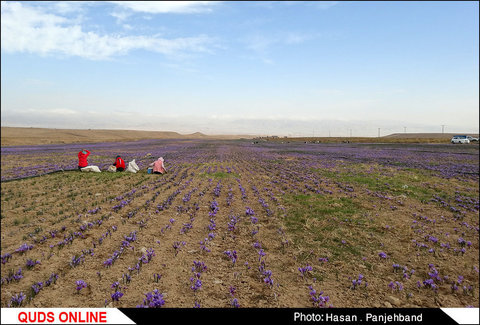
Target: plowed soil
x,y
335,214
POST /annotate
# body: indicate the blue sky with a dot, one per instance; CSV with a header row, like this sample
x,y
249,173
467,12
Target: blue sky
x,y
286,68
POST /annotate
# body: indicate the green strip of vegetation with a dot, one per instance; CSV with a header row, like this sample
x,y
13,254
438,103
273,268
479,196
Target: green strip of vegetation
x,y
219,175
320,223
409,182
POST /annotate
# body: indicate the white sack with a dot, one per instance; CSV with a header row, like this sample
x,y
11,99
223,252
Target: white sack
x,y
94,169
112,169
132,167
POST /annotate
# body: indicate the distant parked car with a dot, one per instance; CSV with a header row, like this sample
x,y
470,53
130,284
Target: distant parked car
x,y
460,139
471,139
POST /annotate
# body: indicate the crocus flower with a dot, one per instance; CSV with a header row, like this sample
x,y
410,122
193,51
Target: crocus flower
x,y
80,285
116,295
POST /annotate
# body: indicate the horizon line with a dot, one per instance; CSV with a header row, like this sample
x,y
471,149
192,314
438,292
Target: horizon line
x,y
238,134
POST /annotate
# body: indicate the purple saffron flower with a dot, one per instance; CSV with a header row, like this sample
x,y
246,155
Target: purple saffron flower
x,y
235,303
305,270
199,267
177,245
16,301
116,295
6,257
80,285
153,300
233,222
232,255
31,263
196,284
115,285
36,287
53,279
318,300
23,248
261,254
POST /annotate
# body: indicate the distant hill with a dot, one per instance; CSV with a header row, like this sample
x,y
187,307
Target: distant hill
x,y
12,136
196,135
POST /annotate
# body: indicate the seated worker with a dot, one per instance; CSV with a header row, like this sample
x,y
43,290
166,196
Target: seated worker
x,y
82,158
120,164
158,166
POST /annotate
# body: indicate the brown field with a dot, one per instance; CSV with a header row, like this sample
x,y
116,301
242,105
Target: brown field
x,y
334,207
17,136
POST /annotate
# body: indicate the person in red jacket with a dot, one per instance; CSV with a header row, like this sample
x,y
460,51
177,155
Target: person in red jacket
x,y
120,164
82,158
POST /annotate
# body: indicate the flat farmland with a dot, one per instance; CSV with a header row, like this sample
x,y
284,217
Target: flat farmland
x,y
241,224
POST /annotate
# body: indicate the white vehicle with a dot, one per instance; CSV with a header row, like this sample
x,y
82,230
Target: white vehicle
x,y
471,139
460,139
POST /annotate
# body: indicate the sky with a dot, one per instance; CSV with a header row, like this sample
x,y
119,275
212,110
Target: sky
x,y
287,68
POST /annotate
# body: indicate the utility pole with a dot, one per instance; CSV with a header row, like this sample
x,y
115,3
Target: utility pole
x,y
379,132
404,129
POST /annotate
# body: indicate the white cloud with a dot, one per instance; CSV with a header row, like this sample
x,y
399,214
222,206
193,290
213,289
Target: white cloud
x,y
58,111
323,5
120,15
296,38
28,29
261,43
160,7
67,7
216,124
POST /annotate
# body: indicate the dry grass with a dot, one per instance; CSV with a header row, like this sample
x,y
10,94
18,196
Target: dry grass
x,y
17,136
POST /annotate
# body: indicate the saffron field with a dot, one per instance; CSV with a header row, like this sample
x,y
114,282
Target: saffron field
x,y
237,224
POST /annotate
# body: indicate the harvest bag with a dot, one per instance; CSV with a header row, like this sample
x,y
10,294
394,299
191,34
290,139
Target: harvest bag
x,y
94,169
132,167
112,169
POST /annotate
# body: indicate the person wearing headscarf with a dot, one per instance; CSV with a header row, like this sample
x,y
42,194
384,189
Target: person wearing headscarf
x,y
158,166
82,158
120,164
